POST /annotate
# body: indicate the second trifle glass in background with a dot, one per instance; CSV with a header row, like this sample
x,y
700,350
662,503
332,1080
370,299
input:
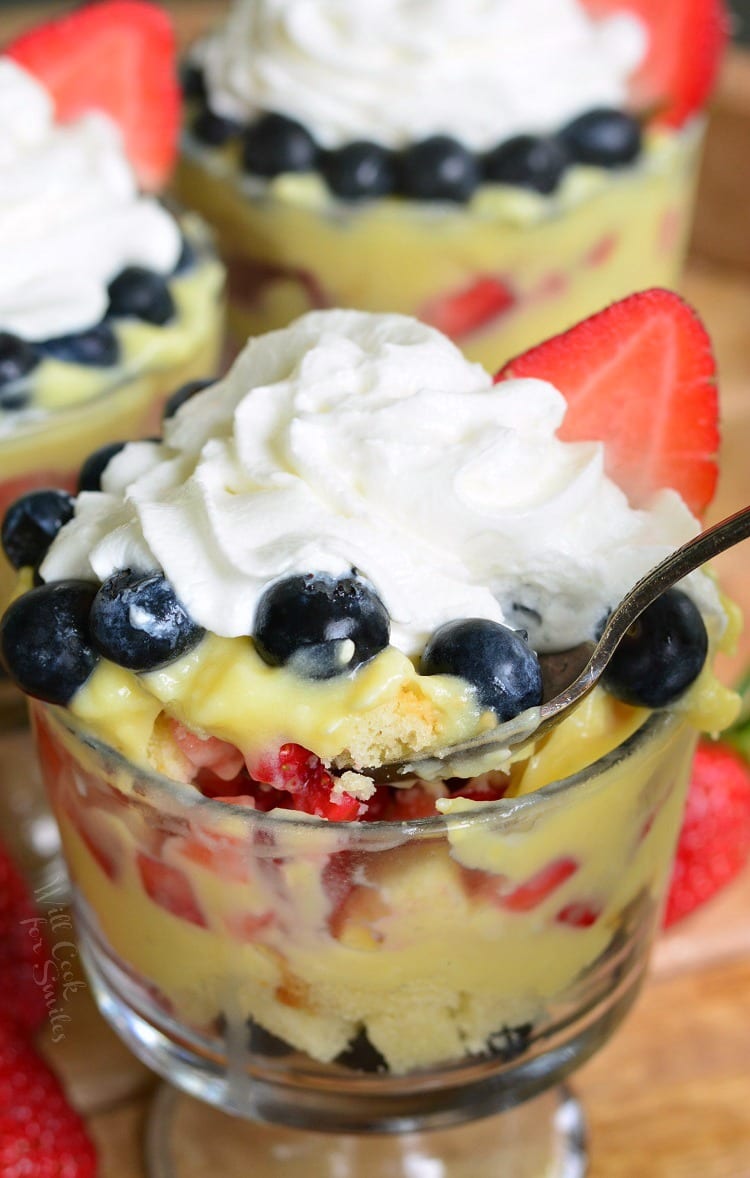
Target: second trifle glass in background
x,y
109,300
499,170
303,581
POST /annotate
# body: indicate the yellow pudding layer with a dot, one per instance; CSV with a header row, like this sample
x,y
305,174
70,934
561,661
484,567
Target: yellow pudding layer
x,y
430,946
385,711
290,246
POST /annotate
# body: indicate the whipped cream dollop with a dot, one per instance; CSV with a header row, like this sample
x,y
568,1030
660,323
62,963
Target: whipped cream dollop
x,y
71,216
369,441
399,70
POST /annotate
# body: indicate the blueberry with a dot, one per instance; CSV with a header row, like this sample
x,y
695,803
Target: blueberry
x,y
45,642
31,524
322,625
97,347
359,169
661,654
138,622
527,161
90,476
604,137
143,294
214,130
17,358
439,168
276,144
495,660
183,394
193,82
510,1042
14,399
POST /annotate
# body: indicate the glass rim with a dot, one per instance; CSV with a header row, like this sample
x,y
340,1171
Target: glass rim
x,y
201,239
658,724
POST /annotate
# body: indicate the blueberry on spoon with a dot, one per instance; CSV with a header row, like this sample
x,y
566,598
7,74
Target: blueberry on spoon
x,y
497,661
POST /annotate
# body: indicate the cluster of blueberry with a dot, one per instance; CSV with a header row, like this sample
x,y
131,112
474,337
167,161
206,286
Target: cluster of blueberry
x,y
135,292
438,168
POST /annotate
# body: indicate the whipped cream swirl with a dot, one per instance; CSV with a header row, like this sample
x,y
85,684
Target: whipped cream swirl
x,y
71,216
369,441
399,70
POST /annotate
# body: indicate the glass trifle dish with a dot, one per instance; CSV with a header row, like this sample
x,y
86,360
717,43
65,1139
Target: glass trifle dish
x,y
499,170
357,548
109,301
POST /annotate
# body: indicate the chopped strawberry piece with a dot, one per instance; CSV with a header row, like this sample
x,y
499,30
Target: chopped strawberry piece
x,y
301,775
246,926
534,891
685,42
337,882
714,842
640,377
470,309
40,1134
579,914
117,56
408,804
170,889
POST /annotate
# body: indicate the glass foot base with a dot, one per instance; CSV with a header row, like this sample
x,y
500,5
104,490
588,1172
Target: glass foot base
x,y
543,1138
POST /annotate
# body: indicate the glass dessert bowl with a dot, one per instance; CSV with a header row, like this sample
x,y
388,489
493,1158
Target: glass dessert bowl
x,y
235,630
429,177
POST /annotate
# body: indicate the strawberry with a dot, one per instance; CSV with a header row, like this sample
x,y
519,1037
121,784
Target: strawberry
x,y
40,1134
685,43
468,310
170,889
117,56
714,842
535,890
24,953
301,775
640,377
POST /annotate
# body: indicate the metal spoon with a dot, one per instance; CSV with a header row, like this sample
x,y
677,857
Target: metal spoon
x,y
471,756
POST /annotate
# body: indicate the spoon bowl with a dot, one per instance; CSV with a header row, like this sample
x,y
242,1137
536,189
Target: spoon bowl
x,y
491,749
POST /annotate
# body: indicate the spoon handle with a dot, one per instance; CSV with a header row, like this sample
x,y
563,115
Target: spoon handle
x,y
671,570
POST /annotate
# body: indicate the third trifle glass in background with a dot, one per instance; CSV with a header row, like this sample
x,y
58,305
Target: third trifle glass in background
x,y
353,548
499,170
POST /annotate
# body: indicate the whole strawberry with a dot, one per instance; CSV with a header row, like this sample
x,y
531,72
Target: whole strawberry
x,y
41,1136
714,843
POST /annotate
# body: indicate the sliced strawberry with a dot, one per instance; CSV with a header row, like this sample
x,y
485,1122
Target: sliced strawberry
x,y
468,310
535,890
117,56
685,43
640,377
714,842
168,887
40,1134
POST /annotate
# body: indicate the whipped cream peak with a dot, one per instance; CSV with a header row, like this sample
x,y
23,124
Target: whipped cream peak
x,y
400,70
368,441
71,216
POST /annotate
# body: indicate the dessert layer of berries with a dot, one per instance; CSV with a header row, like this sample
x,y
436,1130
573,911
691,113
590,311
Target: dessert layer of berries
x,y
438,168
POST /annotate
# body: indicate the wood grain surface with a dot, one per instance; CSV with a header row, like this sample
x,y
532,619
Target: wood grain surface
x,y
669,1097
